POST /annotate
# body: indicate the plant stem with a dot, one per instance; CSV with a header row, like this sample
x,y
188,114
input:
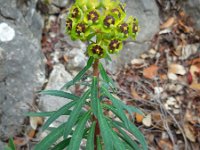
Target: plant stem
x,y
97,129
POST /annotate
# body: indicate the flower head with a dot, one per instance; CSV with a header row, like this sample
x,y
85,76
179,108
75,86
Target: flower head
x,y
102,23
114,46
96,51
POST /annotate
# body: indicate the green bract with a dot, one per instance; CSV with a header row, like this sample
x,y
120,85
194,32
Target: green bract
x,y
105,21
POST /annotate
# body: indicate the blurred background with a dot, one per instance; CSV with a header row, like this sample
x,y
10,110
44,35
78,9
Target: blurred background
x,y
160,70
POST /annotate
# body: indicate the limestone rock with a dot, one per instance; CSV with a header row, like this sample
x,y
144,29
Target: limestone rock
x,y
192,8
58,77
21,62
60,3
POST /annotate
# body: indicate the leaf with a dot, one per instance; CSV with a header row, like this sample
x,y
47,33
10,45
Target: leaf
x,y
104,128
103,73
99,145
139,118
150,72
94,95
194,71
107,131
58,113
127,138
51,138
78,133
195,86
59,94
130,109
11,145
35,121
147,121
135,131
75,113
119,145
62,144
31,133
176,69
39,114
44,114
90,137
105,77
168,23
189,132
80,74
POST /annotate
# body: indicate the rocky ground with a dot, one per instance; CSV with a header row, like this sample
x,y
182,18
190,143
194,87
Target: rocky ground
x,y
161,73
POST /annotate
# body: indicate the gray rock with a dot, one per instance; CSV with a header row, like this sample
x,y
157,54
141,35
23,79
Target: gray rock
x,y
22,69
7,32
2,145
2,57
147,13
192,8
77,59
61,3
58,77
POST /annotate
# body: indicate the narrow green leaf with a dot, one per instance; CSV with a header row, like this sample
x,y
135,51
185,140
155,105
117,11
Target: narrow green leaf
x,y
105,77
90,137
78,133
63,144
117,104
104,128
39,114
75,113
99,145
126,138
59,94
51,138
119,113
11,145
136,132
58,113
80,74
45,114
94,95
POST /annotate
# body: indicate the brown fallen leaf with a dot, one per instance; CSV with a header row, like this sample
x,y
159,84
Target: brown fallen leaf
x,y
195,86
150,72
168,23
184,27
194,70
31,133
35,122
134,93
139,118
176,69
189,132
165,144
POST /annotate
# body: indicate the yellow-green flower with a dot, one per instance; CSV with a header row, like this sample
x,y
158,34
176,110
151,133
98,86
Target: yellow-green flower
x,y
96,51
69,23
114,46
92,17
108,21
118,13
133,27
75,12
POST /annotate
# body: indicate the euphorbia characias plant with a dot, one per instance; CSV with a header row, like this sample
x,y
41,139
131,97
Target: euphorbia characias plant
x,y
104,25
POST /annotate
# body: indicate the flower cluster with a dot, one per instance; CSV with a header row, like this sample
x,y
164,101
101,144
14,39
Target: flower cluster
x,y
102,20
